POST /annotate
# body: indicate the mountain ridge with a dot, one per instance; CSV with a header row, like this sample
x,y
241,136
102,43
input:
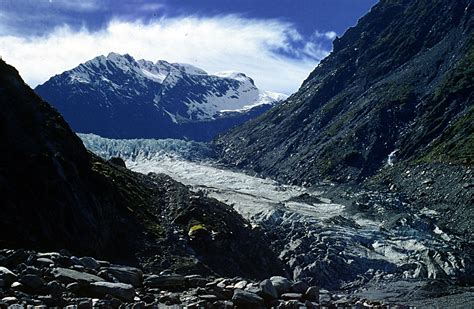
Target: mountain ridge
x,y
383,89
120,97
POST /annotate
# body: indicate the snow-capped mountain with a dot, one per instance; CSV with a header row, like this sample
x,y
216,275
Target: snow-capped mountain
x,y
118,96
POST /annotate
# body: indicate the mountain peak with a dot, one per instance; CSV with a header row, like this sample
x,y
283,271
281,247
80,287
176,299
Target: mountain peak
x,y
235,75
157,96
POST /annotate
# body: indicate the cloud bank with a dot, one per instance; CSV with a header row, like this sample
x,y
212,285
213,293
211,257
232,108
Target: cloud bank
x,y
270,51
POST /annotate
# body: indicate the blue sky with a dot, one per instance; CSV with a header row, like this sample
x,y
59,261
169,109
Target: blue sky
x,y
276,42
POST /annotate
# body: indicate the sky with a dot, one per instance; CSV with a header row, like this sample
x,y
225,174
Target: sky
x,y
276,42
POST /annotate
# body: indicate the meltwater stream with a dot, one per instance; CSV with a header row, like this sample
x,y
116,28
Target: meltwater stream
x,y
318,240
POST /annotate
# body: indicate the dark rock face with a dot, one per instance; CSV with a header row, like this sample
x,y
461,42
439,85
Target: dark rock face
x,y
50,192
57,195
120,97
402,79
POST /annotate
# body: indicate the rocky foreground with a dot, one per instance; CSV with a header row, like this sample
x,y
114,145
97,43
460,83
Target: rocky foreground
x,y
59,279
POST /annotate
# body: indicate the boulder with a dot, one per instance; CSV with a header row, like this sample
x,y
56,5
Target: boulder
x,y
44,262
281,284
241,284
122,291
267,290
89,262
292,296
253,288
171,281
66,276
312,294
125,274
10,300
32,282
209,297
194,281
246,298
55,288
17,286
299,287
7,276
73,287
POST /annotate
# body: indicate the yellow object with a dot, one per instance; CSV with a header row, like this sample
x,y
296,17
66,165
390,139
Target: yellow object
x,y
195,228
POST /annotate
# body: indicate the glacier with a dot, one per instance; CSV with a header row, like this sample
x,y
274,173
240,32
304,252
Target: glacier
x,y
320,240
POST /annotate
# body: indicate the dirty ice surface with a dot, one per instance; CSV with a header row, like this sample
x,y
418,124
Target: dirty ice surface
x,y
317,239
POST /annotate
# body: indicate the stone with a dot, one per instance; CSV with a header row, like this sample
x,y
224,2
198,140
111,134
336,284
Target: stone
x,y
75,260
55,288
10,300
149,298
209,297
17,286
312,294
89,262
267,289
242,297
103,263
48,255
428,181
223,304
73,287
7,276
79,268
123,291
292,296
125,274
194,281
139,305
33,282
170,299
66,276
253,288
299,287
241,284
44,262
85,304
281,284
171,281
30,270
52,301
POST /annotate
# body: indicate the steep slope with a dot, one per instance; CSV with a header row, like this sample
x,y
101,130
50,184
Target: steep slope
x,y
117,96
400,82
54,194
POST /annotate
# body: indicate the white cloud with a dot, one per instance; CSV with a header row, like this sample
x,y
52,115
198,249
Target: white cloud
x,y
214,44
77,5
329,35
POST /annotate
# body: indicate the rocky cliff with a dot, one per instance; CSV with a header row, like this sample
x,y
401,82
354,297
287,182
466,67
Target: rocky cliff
x,y
400,83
